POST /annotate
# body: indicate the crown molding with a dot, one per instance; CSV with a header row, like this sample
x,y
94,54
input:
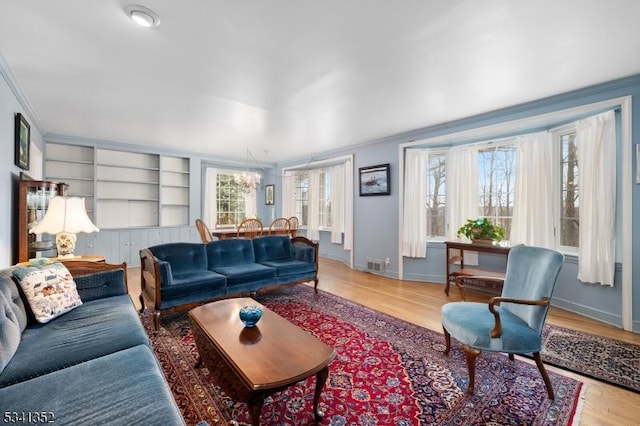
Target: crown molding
x,y
14,86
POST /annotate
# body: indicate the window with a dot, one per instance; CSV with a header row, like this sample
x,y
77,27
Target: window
x,y
230,197
496,183
496,186
301,195
436,194
570,199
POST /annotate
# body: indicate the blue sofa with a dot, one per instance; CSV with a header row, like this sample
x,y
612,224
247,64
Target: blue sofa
x,y
90,365
179,276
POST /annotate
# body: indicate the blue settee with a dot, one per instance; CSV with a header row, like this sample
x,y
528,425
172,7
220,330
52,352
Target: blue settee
x,y
179,276
91,365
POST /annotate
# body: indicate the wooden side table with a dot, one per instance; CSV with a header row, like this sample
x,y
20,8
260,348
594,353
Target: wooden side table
x,y
461,274
83,258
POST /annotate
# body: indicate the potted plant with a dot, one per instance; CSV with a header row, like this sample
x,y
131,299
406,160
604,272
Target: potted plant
x,y
481,230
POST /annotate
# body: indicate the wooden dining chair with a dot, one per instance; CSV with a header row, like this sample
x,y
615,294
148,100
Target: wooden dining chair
x,y
250,228
279,225
293,226
203,230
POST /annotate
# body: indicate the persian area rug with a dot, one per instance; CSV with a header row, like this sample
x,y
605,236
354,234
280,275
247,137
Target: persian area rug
x,y
386,372
609,360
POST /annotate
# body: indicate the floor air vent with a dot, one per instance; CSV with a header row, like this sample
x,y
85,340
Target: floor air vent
x,y
375,266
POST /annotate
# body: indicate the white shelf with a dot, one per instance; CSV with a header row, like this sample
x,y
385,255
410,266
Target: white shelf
x,y
123,189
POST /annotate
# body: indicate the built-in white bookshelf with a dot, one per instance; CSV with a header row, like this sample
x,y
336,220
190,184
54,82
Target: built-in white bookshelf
x,y
174,191
123,189
127,189
73,165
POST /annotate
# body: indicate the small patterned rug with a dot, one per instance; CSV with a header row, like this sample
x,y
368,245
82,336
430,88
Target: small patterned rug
x,y
387,372
608,360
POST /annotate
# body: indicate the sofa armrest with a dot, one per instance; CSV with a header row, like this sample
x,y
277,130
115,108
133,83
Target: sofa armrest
x,y
97,280
154,273
305,250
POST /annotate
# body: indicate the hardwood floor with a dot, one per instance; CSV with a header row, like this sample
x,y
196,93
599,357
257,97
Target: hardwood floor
x,y
420,303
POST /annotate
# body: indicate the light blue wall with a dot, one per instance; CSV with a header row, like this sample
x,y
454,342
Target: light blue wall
x,y
376,218
9,172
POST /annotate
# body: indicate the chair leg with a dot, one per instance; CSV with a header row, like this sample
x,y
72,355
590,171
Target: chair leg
x,y
447,341
545,376
511,357
156,320
471,354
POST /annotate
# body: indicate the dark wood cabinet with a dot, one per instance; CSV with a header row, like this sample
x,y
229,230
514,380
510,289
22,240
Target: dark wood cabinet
x,y
33,199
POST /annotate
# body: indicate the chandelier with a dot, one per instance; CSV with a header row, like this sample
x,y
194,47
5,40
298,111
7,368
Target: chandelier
x,y
248,181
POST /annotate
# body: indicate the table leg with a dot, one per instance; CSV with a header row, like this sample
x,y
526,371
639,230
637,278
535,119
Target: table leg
x,y
255,407
321,379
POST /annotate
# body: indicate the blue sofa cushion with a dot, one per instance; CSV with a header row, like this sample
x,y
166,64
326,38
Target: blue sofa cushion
x,y
123,388
101,284
303,252
91,330
471,324
183,257
286,267
9,332
193,284
243,274
272,247
229,252
10,291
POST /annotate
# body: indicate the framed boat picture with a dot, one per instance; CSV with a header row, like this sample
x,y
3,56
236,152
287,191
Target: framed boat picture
x,y
374,180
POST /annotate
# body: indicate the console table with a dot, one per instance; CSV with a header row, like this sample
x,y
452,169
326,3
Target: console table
x,y
460,275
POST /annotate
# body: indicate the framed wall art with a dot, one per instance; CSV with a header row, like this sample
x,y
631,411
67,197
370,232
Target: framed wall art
x,y
269,194
23,142
374,180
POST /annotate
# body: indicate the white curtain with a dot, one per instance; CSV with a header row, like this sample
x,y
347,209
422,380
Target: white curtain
x,y
251,199
210,207
462,187
288,184
313,214
533,218
414,223
462,192
348,205
596,143
336,174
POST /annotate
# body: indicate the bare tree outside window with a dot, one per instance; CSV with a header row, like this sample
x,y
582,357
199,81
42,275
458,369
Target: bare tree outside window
x,y
436,195
496,173
570,216
496,187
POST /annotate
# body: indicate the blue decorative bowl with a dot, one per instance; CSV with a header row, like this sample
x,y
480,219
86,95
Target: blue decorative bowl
x,y
250,315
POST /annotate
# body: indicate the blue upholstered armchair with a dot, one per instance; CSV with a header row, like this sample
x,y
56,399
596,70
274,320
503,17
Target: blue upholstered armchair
x,y
513,322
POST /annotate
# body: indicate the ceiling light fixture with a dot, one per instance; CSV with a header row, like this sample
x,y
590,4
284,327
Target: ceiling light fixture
x,y
142,16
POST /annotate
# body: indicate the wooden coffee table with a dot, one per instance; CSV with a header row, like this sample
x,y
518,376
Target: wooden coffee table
x,y
253,363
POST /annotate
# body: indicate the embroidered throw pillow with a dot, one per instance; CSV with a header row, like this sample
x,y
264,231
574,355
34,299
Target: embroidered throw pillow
x,y
50,290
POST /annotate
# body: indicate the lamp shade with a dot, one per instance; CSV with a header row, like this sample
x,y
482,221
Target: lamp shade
x,y
65,214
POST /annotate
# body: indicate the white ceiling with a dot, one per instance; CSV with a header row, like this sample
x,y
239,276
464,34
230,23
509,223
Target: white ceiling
x,y
288,79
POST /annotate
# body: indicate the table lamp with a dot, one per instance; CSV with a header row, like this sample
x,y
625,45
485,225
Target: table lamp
x,y
65,217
